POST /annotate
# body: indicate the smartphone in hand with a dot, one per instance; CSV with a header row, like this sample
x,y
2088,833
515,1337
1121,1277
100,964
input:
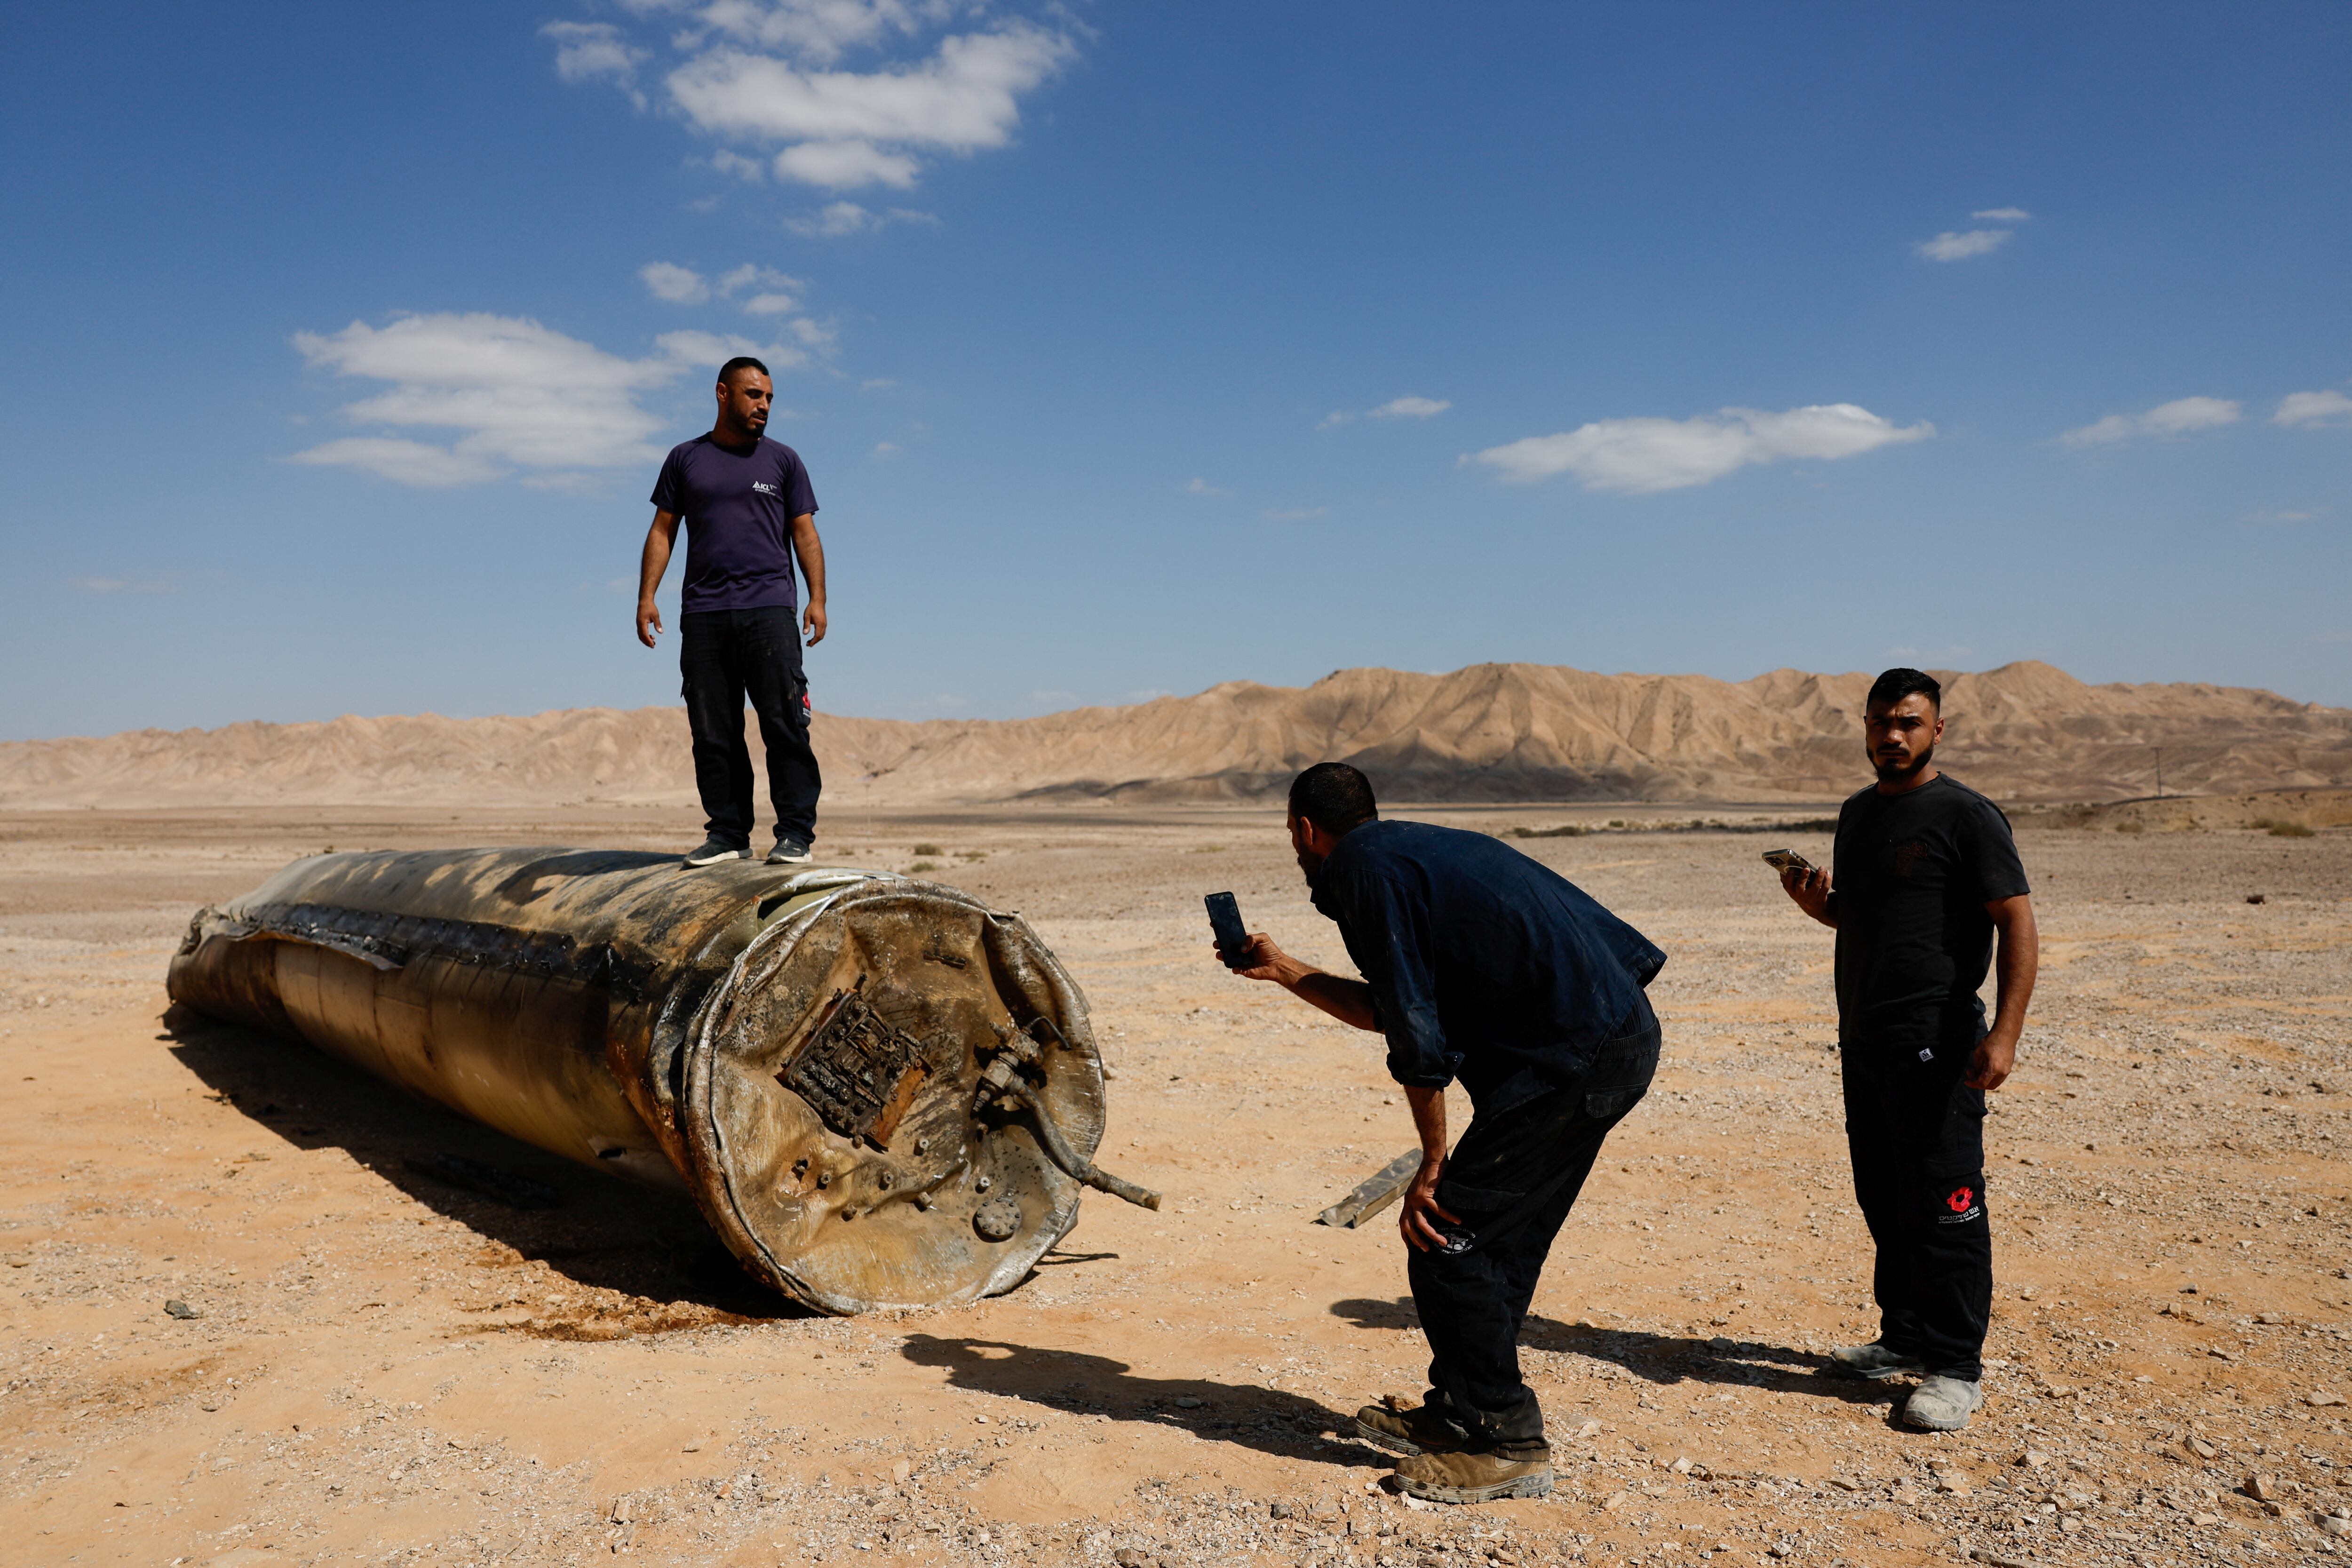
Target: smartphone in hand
x,y
1226,924
1787,860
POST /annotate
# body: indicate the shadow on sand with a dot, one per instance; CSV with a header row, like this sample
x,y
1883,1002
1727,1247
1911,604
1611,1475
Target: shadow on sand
x,y
604,1232
1269,1420
1664,1359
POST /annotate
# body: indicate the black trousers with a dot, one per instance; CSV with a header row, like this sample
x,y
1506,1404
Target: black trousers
x,y
1473,1302
727,657
1916,1133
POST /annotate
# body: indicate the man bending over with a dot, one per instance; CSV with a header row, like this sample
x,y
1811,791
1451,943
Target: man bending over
x,y
1481,965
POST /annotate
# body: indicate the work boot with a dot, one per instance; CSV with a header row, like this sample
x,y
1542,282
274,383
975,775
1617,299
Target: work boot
x,y
1876,1362
789,851
714,849
1943,1403
1477,1475
1409,1429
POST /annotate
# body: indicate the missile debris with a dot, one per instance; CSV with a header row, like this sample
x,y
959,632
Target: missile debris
x,y
879,1091
1383,1187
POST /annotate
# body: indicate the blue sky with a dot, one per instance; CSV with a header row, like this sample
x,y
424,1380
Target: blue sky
x,y
1138,348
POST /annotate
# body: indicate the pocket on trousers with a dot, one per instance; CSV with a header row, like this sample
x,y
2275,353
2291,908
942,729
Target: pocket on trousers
x,y
1609,1104
1456,1198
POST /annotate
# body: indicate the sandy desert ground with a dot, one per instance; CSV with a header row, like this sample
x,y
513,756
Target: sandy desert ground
x,y
386,1369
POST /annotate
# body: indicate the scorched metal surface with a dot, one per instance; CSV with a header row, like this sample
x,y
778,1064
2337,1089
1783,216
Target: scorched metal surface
x,y
846,1070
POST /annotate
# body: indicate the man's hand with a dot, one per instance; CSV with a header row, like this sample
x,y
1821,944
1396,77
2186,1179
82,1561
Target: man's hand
x,y
1349,1001
1263,961
1419,1203
1811,890
649,621
1990,1068
812,621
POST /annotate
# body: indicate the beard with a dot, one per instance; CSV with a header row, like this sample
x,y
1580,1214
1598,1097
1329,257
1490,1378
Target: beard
x,y
1894,772
1309,866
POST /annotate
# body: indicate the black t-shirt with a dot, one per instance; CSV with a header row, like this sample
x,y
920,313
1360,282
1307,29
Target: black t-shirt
x,y
739,506
1913,874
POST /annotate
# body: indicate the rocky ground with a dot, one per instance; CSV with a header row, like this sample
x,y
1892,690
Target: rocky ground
x,y
372,1366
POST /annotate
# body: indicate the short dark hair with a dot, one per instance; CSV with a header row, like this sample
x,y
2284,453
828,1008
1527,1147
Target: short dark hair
x,y
1895,685
740,361
1335,797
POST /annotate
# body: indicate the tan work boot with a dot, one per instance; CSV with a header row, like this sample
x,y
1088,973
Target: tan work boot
x,y
1480,1474
1403,1428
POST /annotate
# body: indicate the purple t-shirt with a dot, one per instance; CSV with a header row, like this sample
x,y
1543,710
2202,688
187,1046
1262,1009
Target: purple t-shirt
x,y
739,508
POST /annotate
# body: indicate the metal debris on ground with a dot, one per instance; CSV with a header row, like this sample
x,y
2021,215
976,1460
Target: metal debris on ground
x,y
880,1092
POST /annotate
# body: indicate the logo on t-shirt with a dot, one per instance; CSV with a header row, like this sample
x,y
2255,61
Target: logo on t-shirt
x,y
765,489
1962,1206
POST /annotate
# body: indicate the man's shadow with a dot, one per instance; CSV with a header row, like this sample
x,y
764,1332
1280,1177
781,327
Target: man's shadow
x,y
1662,1359
1270,1420
599,1231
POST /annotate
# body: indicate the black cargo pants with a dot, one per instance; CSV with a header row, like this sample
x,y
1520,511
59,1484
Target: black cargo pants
x,y
1512,1180
1916,1133
727,657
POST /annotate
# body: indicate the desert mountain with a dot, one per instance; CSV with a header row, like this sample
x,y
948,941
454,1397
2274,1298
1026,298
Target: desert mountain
x,y
1493,732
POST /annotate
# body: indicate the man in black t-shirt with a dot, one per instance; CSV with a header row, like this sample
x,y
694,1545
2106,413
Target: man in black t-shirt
x,y
747,509
1927,873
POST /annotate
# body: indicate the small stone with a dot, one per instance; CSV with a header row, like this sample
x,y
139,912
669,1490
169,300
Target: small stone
x,y
2204,1521
1129,1557
1187,1402
1590,1430
2335,1524
1681,1466
1616,1500
693,1447
2032,1459
1779,1548
1955,1484
182,1309
2199,1446
2261,1488
900,1470
2320,1396
1279,1511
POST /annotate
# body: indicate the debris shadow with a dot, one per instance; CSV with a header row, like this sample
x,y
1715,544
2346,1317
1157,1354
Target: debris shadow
x,y
1269,1420
601,1231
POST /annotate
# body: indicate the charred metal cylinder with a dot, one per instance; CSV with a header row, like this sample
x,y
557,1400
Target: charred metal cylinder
x,y
879,1091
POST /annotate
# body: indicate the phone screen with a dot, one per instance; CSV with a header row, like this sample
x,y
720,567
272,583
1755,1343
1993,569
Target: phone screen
x,y
1225,923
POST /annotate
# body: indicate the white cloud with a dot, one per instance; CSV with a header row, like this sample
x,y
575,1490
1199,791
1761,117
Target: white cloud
x,y
838,218
885,449
1199,487
735,164
764,73
2174,418
1409,409
1295,514
767,291
2003,214
2307,408
1950,247
848,128
417,463
678,285
593,51
846,165
1644,455
521,397
1333,420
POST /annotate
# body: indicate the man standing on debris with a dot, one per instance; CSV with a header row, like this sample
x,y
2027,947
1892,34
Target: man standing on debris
x,y
1478,963
748,510
1925,873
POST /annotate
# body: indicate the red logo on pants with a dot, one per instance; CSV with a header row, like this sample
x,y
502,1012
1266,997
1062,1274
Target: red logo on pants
x,y
1961,1199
